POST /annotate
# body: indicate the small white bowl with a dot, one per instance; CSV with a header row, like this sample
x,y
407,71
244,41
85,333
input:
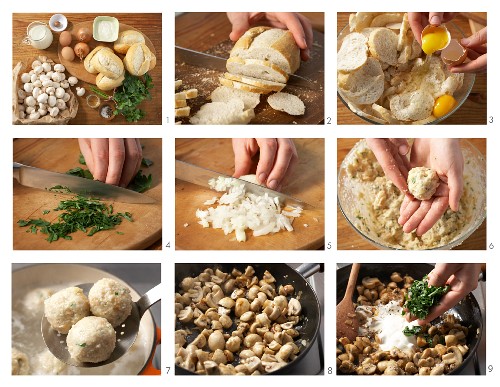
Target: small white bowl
x,y
58,18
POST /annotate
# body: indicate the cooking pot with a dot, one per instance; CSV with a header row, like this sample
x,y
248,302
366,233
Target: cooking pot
x,y
284,274
57,275
467,311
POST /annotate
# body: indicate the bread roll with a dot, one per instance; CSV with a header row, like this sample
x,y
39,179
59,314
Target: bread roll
x,y
108,63
126,39
87,62
138,59
105,83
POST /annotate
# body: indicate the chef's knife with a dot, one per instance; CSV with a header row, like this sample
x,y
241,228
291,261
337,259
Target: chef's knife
x,y
42,179
200,176
201,59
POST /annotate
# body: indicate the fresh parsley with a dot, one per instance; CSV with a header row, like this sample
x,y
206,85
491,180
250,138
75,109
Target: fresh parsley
x,y
130,94
421,298
412,331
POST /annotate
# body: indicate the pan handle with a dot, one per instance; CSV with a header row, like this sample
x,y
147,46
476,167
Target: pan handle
x,y
308,269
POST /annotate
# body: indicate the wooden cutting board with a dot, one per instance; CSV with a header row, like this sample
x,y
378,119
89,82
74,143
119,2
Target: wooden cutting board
x,y
349,239
60,155
209,32
75,67
306,183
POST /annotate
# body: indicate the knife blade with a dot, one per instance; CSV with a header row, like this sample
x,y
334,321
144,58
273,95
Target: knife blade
x,y
43,179
200,176
201,59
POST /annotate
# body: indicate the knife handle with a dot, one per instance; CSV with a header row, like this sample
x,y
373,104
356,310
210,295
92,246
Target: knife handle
x,y
16,168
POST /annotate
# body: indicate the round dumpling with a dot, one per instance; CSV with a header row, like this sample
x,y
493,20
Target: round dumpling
x,y
92,340
35,299
20,363
423,182
65,308
110,299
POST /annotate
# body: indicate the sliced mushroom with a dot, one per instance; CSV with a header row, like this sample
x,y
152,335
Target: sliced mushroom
x,y
242,306
233,344
211,367
186,315
294,307
216,341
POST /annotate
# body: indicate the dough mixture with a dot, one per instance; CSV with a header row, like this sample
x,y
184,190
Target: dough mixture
x,y
423,182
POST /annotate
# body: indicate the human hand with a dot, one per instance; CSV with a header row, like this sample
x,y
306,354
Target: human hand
x,y
462,278
391,155
277,158
476,51
418,20
445,157
299,26
112,160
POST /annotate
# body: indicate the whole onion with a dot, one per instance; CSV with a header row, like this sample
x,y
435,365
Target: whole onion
x,y
81,50
84,35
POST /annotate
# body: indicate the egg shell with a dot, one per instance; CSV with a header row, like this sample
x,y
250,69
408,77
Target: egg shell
x,y
454,54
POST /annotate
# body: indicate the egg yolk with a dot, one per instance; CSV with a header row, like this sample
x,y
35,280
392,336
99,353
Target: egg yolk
x,y
443,105
434,41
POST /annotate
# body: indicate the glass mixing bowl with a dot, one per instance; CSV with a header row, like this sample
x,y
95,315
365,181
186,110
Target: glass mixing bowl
x,y
460,95
348,190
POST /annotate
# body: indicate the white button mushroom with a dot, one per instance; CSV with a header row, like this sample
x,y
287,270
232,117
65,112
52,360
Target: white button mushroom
x,y
28,87
25,78
33,78
37,83
53,111
62,76
42,112
80,91
49,74
42,98
46,67
34,116
55,85
47,83
21,108
65,84
30,101
38,69
42,105
59,68
36,92
60,92
52,101
66,97
22,114
35,64
30,109
56,77
61,105
73,81
50,90
21,94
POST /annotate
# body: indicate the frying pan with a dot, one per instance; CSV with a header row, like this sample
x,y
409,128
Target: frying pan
x,y
284,274
467,311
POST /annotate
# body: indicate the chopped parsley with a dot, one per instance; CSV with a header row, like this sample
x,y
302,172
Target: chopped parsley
x,y
421,298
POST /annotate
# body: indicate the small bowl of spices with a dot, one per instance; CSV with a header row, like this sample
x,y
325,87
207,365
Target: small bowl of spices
x,y
93,101
106,111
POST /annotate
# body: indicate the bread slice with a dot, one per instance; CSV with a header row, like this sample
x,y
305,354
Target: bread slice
x,y
243,86
361,20
272,44
353,52
223,113
263,84
180,95
180,103
365,85
383,44
386,18
403,37
183,111
225,94
385,114
287,103
191,93
412,106
256,68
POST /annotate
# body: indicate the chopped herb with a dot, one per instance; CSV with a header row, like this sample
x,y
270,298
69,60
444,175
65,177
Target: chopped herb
x,y
81,160
80,172
45,212
141,182
130,94
421,298
60,189
116,293
413,331
120,233
146,162
80,214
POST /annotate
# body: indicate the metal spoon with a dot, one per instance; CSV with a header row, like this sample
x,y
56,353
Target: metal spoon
x,y
126,332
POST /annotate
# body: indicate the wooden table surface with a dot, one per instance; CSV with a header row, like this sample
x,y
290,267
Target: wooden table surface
x,y
209,32
473,111
349,239
60,155
217,155
148,24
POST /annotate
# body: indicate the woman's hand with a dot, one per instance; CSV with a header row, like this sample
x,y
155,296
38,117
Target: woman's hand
x,y
277,158
476,51
112,160
419,20
299,26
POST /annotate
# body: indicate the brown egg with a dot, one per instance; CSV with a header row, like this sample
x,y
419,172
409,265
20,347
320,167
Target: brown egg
x,y
65,38
68,53
454,54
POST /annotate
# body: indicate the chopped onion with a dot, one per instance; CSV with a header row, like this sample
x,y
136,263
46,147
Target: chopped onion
x,y
239,210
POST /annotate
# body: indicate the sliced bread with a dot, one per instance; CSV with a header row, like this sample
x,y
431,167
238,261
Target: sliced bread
x,y
183,111
383,44
365,85
403,37
287,103
412,106
256,68
386,18
385,114
272,44
243,86
262,83
225,94
223,113
353,52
